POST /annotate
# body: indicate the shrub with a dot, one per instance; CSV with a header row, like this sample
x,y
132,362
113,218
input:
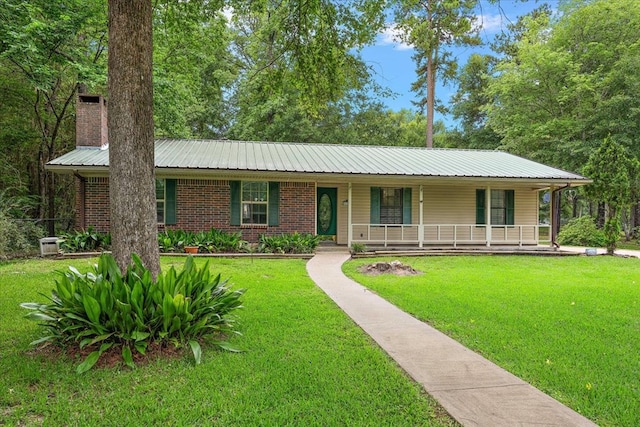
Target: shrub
x,y
173,240
212,241
104,308
17,236
222,241
581,232
295,243
357,248
85,241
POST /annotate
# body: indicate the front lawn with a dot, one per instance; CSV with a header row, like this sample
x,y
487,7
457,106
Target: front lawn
x,y
305,364
570,326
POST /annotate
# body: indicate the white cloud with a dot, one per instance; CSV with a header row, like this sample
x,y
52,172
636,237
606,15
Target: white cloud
x,y
227,12
391,35
490,23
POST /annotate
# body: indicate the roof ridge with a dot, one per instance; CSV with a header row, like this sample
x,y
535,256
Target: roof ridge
x,y
319,144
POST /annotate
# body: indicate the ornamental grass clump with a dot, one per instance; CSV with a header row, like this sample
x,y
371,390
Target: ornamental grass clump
x,y
104,308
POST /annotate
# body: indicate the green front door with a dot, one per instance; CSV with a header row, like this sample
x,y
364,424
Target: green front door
x,y
327,211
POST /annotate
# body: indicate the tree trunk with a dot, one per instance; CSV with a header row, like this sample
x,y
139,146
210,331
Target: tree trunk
x,y
600,219
431,81
431,98
131,144
635,220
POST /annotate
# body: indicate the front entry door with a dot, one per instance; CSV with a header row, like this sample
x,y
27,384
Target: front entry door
x,y
327,211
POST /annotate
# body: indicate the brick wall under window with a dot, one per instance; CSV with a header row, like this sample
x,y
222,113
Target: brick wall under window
x,y
204,204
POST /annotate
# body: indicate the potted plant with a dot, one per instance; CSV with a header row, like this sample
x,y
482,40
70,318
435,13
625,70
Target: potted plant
x,y
191,249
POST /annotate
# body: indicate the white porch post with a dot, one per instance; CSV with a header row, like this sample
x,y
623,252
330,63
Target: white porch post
x,y
421,219
349,218
488,214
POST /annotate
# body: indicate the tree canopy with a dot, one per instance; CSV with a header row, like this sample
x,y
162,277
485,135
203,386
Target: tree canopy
x,y
554,87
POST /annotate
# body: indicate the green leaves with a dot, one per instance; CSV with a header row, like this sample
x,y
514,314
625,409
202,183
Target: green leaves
x,y
108,308
294,243
211,241
84,241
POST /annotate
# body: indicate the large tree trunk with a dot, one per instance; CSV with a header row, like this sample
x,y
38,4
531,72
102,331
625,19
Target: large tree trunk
x,y
131,144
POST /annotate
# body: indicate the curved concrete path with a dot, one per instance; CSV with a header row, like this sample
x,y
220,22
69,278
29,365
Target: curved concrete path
x,y
473,390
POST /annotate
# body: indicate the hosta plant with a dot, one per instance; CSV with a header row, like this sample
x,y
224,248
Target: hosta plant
x,y
294,243
88,240
104,308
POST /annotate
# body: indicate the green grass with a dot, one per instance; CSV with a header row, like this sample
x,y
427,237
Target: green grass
x,y
305,364
570,325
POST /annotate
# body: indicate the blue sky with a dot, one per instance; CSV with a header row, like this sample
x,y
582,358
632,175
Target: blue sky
x,y
394,68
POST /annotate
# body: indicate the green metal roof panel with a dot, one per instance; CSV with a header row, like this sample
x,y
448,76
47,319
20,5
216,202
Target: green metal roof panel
x,y
227,155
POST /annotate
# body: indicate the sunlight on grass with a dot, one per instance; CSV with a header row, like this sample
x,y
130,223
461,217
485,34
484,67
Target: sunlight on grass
x,y
569,326
305,364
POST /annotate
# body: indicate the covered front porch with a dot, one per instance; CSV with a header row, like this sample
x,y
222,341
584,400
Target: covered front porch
x,y
443,214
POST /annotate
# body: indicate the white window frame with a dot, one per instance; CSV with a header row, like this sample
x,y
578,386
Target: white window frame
x,y
256,202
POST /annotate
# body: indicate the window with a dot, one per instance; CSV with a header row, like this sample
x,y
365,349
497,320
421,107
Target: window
x,y
255,202
166,201
390,205
502,207
160,200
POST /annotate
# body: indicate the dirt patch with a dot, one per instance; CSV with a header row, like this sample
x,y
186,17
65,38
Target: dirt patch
x,y
113,356
393,267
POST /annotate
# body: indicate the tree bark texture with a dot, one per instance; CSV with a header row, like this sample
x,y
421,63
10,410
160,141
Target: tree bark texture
x,y
131,141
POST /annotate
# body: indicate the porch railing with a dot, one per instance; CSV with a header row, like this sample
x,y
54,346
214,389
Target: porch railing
x,y
448,234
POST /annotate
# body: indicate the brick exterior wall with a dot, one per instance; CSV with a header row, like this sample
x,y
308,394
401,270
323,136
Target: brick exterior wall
x,y
95,205
202,204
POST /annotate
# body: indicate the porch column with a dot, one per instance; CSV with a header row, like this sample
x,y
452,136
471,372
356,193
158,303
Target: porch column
x,y
421,219
349,220
488,214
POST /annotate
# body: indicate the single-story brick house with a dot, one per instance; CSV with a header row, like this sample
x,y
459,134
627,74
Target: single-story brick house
x,y
369,194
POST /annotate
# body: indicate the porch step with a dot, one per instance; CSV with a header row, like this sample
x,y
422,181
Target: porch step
x,y
538,251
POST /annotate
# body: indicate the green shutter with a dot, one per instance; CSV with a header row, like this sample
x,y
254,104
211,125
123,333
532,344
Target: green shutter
x,y
509,202
406,206
481,202
274,203
170,202
235,202
375,205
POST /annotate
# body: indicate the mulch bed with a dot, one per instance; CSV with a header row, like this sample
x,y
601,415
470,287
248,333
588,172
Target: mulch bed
x,y
393,267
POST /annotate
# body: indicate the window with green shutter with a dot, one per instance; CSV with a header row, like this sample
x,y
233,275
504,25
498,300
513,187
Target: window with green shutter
x,y
255,203
502,207
390,205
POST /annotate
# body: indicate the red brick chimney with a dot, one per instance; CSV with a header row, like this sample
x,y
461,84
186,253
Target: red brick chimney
x,y
91,121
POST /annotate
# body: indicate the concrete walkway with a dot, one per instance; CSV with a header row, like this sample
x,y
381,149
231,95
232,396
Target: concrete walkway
x,y
473,390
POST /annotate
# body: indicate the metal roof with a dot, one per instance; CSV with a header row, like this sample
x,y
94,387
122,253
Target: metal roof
x,y
299,158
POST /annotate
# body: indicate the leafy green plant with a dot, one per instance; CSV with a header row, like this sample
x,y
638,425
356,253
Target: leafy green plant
x,y
222,241
581,232
103,308
212,241
88,240
294,243
172,240
358,248
17,236
19,233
